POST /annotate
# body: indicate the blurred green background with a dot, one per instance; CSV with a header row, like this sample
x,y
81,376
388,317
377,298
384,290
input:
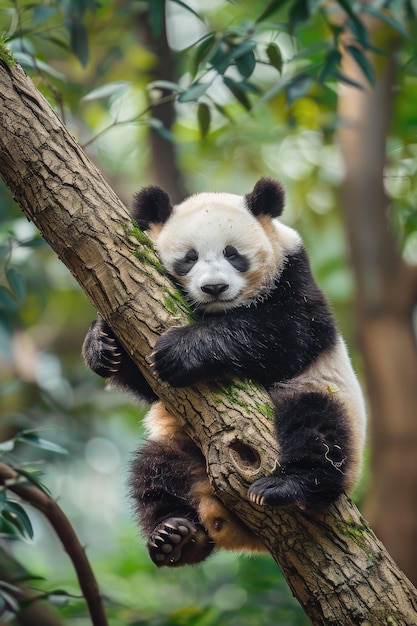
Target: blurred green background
x,y
270,109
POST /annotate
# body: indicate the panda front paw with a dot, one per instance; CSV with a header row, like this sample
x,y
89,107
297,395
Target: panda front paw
x,y
173,358
178,541
101,350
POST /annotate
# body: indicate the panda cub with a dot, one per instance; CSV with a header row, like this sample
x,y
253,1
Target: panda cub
x,y
259,315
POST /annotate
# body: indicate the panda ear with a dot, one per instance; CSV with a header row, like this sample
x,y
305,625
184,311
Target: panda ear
x,y
266,198
151,205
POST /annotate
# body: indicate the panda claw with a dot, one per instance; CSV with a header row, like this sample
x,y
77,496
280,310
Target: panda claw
x,y
256,499
163,534
174,536
109,356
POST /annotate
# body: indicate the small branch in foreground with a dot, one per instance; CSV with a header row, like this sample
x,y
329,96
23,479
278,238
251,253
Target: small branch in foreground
x,y
61,525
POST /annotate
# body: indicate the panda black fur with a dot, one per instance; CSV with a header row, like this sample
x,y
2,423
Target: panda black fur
x,y
260,315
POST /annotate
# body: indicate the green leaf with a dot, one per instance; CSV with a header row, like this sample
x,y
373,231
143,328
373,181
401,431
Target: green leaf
x,y
298,88
60,597
7,302
363,62
43,13
16,283
32,438
158,126
16,515
238,92
188,8
385,17
36,242
282,84
115,88
223,111
31,62
272,7
204,51
274,55
204,118
194,92
246,64
9,601
156,16
79,40
356,25
33,478
346,80
333,59
222,62
166,85
8,445
314,6
297,14
77,7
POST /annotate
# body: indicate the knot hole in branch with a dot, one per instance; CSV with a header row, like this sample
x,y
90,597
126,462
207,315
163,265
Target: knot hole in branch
x,y
246,459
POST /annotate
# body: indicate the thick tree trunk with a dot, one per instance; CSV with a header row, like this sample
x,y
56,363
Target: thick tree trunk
x,y
387,295
336,567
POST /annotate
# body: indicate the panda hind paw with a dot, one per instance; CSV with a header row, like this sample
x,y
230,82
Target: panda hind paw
x,y
277,491
178,541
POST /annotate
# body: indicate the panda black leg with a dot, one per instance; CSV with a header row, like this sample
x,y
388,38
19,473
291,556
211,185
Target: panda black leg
x,y
162,477
314,454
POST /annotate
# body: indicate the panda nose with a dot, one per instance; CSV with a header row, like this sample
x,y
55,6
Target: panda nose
x,y
216,289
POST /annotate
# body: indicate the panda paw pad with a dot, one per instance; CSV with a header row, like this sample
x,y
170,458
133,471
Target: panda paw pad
x,y
168,539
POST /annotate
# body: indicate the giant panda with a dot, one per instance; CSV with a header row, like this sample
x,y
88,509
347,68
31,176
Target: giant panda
x,y
259,315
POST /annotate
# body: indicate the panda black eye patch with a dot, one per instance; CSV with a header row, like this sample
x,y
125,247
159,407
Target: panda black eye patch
x,y
184,265
237,260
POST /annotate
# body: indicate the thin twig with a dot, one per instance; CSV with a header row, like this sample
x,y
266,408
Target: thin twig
x,y
130,120
70,542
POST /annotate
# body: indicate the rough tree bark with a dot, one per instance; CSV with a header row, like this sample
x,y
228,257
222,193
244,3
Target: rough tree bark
x,y
335,565
386,299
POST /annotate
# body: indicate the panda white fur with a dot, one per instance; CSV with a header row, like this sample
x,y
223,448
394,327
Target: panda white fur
x,y
260,315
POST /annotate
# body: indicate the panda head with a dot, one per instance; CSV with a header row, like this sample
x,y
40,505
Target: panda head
x,y
224,250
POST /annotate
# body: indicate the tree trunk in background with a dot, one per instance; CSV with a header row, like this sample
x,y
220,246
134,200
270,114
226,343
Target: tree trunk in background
x,y
386,296
163,167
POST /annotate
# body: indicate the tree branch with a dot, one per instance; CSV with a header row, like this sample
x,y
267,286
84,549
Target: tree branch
x,y
334,564
68,537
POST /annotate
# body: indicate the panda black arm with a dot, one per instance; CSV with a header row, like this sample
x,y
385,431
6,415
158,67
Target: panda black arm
x,y
210,349
272,341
